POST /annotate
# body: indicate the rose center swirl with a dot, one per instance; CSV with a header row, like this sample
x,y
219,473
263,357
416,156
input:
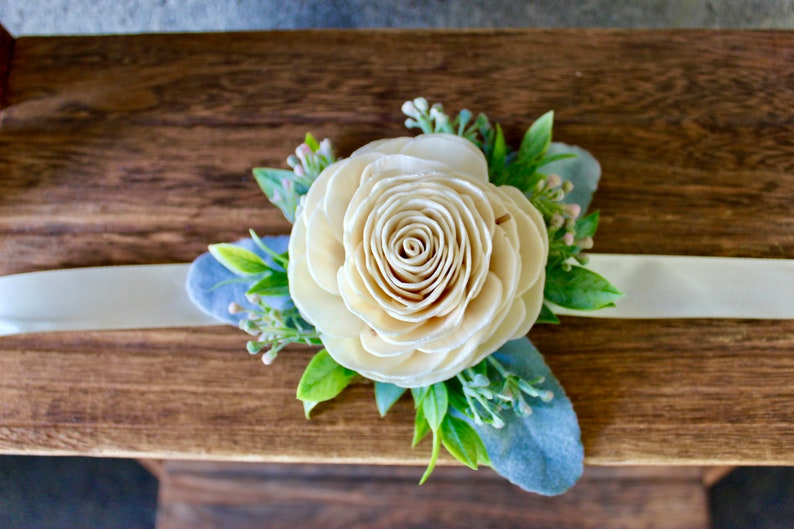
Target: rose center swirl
x,y
419,248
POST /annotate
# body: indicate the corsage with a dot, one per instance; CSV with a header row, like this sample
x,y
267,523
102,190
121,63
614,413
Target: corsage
x,y
420,264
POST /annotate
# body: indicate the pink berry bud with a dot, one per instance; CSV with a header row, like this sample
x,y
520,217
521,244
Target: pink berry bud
x,y
585,244
303,151
268,357
573,210
568,239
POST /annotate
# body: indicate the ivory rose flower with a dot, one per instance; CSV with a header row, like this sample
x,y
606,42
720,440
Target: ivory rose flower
x,y
411,265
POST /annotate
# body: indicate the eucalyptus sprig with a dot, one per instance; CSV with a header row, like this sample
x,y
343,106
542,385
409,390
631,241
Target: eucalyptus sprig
x,y
482,393
274,328
430,119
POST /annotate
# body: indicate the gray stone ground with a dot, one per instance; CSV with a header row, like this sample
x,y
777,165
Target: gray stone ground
x,y
75,492
60,17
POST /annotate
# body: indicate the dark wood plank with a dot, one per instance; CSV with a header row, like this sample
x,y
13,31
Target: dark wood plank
x,y
692,129
138,149
212,495
6,51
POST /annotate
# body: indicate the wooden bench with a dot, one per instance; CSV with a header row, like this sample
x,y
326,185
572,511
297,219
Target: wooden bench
x,y
138,150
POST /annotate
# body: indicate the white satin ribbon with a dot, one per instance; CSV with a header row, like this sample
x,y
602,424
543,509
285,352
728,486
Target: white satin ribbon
x,y
664,286
152,296
111,297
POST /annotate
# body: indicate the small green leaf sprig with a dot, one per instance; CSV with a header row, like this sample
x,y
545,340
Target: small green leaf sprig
x,y
432,119
484,392
284,188
274,328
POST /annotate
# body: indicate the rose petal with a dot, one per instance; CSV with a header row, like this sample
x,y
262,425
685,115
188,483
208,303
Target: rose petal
x,y
357,301
384,146
533,302
323,310
341,185
477,316
348,352
297,239
327,254
532,250
374,344
507,324
505,264
397,165
526,206
458,153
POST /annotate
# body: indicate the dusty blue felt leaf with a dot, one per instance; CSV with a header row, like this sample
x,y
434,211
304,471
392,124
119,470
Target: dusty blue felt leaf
x,y
206,273
386,395
583,171
543,452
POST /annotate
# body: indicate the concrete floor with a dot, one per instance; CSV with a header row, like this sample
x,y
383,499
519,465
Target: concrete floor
x,y
72,492
59,17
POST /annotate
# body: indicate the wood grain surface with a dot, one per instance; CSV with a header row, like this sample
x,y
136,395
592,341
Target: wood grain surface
x,y
138,149
222,495
6,49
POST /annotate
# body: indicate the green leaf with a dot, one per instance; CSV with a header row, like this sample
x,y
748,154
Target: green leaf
x,y
272,284
547,316
496,163
457,400
280,259
233,281
579,288
537,138
549,158
419,395
386,395
522,175
482,453
268,291
460,440
421,427
311,142
587,226
435,405
308,406
433,457
480,368
323,379
238,260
